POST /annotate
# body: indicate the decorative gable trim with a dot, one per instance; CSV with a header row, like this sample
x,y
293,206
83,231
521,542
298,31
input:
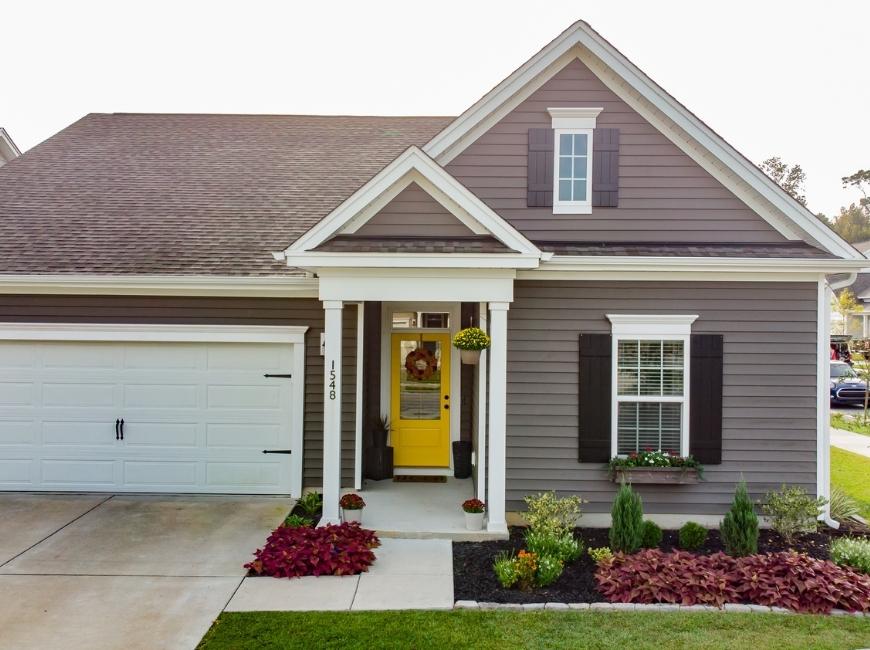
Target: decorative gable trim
x,y
412,166
696,139
574,118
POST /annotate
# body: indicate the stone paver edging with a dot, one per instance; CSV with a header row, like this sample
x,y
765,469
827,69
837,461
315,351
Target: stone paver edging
x,y
633,607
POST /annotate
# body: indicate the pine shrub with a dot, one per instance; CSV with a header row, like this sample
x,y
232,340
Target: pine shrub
x,y
651,535
626,528
739,528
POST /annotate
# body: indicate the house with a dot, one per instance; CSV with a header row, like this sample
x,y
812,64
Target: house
x,y
187,298
8,150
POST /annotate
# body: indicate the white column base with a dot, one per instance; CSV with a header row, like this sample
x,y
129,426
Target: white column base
x,y
496,527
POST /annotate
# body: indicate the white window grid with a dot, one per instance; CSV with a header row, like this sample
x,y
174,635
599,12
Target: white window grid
x,y
572,207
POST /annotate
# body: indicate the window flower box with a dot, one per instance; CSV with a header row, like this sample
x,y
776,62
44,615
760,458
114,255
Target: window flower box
x,y
656,468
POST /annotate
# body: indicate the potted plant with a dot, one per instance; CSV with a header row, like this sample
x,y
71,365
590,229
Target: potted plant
x,y
470,342
655,467
351,507
474,513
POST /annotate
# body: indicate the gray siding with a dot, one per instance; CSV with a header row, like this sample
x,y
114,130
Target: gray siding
x,y
225,311
769,404
663,194
414,213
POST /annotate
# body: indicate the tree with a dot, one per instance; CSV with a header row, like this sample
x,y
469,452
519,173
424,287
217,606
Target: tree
x,y
860,180
844,304
790,178
853,223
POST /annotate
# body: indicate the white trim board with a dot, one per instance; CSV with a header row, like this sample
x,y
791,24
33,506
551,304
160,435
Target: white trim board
x,y
290,334
411,164
688,132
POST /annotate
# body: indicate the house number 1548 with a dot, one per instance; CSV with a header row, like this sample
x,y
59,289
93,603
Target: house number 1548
x,y
332,381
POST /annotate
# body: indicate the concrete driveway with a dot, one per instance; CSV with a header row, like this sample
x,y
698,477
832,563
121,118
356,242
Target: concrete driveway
x,y
112,571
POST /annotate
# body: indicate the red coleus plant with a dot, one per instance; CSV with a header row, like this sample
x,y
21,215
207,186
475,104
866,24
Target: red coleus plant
x,y
351,502
473,505
787,579
340,550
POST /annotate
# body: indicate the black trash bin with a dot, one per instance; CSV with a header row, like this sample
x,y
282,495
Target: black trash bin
x,y
462,458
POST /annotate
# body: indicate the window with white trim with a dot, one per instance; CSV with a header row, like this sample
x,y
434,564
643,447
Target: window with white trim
x,y
572,162
650,383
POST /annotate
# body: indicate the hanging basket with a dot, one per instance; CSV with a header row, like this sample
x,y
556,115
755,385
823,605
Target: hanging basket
x,y
470,357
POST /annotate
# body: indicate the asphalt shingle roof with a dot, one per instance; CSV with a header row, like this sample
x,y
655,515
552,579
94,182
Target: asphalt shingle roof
x,y
359,244
187,194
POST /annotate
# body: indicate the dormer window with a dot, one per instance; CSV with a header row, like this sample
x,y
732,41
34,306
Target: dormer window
x,y
572,164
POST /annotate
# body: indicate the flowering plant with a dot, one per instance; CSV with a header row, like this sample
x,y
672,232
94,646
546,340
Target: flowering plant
x,y
471,338
351,502
654,458
473,505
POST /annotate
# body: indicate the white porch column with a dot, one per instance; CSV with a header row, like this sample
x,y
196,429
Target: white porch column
x,y
332,412
481,410
497,416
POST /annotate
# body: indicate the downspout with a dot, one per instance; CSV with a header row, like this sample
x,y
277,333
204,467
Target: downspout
x,y
826,291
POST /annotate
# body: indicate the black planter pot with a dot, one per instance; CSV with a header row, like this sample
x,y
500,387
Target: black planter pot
x,y
462,458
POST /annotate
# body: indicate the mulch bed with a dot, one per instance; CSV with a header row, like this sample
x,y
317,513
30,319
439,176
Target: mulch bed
x,y
474,579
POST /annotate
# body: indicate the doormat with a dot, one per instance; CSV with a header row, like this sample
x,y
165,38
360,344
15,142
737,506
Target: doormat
x,y
419,478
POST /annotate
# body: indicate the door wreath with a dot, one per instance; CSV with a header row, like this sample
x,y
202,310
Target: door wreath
x,y
421,364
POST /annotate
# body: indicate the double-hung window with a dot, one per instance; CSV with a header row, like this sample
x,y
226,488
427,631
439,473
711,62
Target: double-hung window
x,y
572,163
650,409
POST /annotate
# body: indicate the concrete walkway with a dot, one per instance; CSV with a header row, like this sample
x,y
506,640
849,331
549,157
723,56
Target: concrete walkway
x,y
854,442
407,574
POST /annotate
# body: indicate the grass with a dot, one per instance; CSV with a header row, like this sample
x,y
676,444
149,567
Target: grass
x,y
850,423
503,629
850,472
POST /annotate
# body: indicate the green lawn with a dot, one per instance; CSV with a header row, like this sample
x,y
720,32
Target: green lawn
x,y
851,473
505,629
852,423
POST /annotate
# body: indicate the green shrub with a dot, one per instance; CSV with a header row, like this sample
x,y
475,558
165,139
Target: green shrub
x,y
549,515
739,528
626,528
853,552
650,535
311,503
565,548
842,505
600,554
505,570
549,570
792,511
296,521
692,536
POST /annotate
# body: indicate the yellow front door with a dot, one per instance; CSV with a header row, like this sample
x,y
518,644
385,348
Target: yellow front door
x,y
420,400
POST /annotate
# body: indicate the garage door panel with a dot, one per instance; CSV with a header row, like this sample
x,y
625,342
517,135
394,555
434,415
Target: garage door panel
x,y
232,476
162,359
17,432
243,435
153,474
78,395
16,472
17,393
161,396
18,355
80,357
99,433
67,472
260,358
168,435
244,397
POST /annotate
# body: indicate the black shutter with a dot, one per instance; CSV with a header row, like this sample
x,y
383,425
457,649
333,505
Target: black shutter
x,y
540,168
594,399
605,168
705,398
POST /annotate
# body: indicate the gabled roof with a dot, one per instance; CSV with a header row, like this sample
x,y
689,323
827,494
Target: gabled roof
x,y
412,166
8,149
685,129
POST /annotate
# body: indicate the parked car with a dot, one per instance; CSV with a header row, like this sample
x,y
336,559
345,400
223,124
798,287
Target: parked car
x,y
846,386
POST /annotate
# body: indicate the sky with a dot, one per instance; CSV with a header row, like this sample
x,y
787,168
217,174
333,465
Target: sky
x,y
773,78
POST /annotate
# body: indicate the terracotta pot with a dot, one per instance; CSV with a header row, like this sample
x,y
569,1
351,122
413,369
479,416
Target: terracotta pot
x,y
470,357
351,515
474,520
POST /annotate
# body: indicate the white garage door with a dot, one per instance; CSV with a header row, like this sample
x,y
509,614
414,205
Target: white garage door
x,y
196,416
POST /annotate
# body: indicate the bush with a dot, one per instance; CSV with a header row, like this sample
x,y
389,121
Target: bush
x,y
626,528
565,548
340,550
692,536
549,515
601,555
505,569
526,570
650,535
311,503
792,511
788,579
739,528
549,570
295,521
852,552
842,505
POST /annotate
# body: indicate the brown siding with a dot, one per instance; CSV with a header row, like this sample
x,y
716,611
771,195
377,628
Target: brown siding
x,y
769,425
663,194
414,213
225,311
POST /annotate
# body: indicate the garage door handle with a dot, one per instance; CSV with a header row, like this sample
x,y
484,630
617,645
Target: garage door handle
x,y
117,429
122,428
280,376
277,451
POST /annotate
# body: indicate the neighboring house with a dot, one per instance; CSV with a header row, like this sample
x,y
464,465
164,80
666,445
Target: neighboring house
x,y
8,150
644,284
858,324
